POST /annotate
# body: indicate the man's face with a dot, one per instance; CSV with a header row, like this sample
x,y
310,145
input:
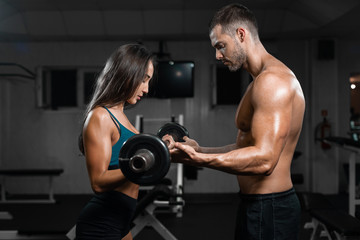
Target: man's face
x,y
228,48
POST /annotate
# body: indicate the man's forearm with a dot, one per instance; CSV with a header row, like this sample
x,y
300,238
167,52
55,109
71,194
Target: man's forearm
x,y
241,161
222,149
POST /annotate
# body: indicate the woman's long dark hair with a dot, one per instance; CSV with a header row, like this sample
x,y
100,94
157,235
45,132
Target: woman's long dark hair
x,y
123,73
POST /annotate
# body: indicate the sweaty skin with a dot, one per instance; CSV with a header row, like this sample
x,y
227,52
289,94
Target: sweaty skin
x,y
269,119
100,134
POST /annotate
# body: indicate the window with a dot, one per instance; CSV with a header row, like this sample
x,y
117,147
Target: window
x,y
228,87
65,87
89,85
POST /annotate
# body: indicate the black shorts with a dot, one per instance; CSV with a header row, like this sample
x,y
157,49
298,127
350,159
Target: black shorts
x,y
106,216
268,216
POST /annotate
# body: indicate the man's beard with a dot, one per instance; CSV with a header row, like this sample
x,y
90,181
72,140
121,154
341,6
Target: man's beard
x,y
239,56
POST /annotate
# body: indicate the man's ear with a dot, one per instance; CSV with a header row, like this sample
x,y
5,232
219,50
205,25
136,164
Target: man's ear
x,y
240,33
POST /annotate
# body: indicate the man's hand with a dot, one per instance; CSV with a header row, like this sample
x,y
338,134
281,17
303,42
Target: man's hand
x,y
182,153
192,143
169,140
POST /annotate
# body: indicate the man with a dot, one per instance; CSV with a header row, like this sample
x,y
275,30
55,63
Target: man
x,y
269,121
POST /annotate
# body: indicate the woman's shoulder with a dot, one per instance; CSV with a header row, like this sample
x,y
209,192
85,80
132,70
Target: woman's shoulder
x,y
98,115
98,112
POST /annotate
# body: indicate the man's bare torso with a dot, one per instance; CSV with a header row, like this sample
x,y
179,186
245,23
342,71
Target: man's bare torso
x,y
280,178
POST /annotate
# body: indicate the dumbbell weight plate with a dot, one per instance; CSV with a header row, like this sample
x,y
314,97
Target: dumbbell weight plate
x,y
160,153
176,130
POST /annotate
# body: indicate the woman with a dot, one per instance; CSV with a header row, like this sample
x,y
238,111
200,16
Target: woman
x,y
124,80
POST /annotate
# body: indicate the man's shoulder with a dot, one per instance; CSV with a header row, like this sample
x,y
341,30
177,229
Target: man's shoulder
x,y
276,74
274,84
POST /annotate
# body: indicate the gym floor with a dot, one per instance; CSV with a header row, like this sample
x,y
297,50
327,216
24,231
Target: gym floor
x,y
205,216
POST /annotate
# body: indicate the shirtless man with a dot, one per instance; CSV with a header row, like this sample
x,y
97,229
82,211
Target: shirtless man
x,y
269,120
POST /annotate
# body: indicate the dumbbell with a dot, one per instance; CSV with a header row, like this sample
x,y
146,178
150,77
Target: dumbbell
x,y
144,159
177,131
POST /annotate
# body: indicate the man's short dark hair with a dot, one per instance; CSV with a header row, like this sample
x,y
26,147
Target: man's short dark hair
x,y
230,16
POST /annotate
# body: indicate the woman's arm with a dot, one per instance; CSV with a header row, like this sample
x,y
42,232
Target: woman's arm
x,y
97,131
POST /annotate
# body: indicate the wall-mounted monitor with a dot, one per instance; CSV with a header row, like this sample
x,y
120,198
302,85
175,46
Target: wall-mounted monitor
x,y
173,79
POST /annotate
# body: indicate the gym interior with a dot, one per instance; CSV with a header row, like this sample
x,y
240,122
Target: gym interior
x,y
51,52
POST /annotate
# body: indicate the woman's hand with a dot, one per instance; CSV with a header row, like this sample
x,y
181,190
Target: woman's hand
x,y
169,141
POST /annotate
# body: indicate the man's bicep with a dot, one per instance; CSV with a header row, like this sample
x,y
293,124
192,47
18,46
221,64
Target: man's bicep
x,y
271,121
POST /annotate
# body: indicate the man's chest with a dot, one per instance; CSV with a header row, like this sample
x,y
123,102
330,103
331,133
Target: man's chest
x,y
244,113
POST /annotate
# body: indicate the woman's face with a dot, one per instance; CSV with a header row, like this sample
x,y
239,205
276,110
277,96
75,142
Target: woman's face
x,y
144,86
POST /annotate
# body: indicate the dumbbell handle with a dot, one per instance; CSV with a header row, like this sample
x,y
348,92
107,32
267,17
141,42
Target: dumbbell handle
x,y
142,161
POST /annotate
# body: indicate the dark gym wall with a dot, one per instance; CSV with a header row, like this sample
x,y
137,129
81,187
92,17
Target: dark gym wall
x,y
33,137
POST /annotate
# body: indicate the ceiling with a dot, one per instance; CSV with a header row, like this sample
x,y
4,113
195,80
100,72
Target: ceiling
x,y
99,20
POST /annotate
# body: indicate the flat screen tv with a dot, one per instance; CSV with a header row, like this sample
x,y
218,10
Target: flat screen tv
x,y
173,79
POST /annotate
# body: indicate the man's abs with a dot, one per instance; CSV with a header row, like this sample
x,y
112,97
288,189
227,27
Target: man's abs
x,y
278,181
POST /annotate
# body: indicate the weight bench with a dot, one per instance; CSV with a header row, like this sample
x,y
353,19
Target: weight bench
x,y
335,224
145,216
50,173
